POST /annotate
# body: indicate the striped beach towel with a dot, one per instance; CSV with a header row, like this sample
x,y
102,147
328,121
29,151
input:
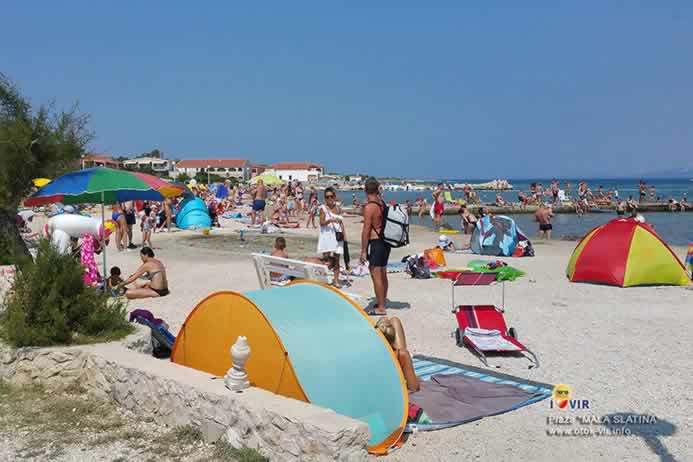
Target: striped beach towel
x,y
426,367
689,258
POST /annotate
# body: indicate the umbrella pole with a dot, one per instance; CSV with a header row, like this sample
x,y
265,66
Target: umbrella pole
x,y
103,236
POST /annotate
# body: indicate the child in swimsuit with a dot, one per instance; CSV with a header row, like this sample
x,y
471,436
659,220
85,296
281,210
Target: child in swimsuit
x,y
114,281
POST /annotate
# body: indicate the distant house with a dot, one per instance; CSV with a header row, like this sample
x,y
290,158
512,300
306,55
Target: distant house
x,y
227,168
98,160
156,164
257,169
301,171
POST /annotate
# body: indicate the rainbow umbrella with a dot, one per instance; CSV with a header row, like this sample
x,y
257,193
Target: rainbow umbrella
x,y
40,182
102,185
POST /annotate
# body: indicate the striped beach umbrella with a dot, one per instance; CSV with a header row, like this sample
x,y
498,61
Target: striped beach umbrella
x,y
102,185
625,252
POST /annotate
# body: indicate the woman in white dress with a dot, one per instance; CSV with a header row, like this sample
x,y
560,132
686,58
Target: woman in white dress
x,y
331,241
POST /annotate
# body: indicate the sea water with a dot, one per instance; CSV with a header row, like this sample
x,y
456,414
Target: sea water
x,y
673,227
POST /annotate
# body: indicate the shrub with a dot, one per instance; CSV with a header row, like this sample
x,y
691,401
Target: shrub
x,y
51,305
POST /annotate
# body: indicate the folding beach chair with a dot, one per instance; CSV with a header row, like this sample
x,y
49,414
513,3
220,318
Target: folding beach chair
x,y
469,278
483,330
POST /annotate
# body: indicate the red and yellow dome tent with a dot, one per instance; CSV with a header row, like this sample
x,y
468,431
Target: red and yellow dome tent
x,y
625,252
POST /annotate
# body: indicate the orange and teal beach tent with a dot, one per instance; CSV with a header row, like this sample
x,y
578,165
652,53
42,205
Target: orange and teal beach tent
x,y
625,252
307,342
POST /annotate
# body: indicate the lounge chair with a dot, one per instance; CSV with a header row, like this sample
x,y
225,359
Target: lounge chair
x,y
289,269
483,330
447,195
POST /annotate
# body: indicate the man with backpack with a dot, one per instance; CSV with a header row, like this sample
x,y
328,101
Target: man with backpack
x,y
373,247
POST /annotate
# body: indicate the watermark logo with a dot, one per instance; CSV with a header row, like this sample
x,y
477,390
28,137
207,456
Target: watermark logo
x,y
561,396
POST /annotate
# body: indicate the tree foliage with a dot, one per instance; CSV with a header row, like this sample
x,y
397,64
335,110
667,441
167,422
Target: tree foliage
x,y
183,177
51,305
33,144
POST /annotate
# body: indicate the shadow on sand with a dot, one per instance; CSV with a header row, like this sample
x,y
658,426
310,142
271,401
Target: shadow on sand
x,y
391,305
640,425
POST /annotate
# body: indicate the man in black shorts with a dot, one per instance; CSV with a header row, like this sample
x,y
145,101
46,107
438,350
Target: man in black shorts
x,y
373,248
130,220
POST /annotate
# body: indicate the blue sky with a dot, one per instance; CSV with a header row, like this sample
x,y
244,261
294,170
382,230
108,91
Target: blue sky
x,y
452,89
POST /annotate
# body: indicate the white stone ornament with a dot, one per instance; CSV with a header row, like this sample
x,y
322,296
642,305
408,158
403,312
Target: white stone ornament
x,y
236,378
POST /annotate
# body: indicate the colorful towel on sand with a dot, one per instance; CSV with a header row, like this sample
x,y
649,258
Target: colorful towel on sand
x,y
505,273
689,259
505,393
398,267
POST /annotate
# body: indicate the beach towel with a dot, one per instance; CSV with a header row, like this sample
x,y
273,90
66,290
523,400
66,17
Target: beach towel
x,y
689,259
453,393
487,340
397,267
504,273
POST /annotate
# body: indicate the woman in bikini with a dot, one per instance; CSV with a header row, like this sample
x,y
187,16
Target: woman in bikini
x,y
394,333
154,272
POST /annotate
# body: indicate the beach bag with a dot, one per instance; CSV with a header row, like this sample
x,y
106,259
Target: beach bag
x,y
418,268
395,226
436,255
395,229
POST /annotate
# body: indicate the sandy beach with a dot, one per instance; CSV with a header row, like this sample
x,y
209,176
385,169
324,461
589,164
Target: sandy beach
x,y
620,349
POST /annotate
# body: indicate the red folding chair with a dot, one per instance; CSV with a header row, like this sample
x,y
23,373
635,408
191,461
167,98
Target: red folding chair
x,y
488,317
468,278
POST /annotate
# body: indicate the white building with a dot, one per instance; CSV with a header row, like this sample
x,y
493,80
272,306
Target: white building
x,y
305,172
156,164
227,168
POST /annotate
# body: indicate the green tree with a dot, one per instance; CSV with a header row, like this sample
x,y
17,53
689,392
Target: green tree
x,y
182,177
33,144
201,177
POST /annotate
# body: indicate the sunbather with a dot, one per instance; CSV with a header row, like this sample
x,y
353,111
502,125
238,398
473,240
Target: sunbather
x,y
393,331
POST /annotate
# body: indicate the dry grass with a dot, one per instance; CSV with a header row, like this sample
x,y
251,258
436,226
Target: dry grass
x,y
47,424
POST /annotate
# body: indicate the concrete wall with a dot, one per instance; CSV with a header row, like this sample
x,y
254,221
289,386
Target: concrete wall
x,y
280,428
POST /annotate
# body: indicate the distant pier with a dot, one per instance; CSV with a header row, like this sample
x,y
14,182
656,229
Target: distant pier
x,y
530,209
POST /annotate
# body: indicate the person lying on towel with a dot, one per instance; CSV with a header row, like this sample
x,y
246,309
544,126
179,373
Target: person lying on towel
x,y
393,331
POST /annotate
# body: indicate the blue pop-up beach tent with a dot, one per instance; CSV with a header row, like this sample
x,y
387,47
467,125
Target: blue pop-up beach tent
x,y
308,342
193,214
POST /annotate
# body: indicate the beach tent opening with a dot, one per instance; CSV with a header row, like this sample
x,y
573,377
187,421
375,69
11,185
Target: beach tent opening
x,y
308,342
625,252
498,236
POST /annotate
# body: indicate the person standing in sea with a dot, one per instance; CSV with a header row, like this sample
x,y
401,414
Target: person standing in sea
x,y
643,191
438,205
543,217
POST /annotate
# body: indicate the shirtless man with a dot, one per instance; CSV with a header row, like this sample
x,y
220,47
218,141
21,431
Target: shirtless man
x,y
259,197
620,208
543,217
168,212
374,249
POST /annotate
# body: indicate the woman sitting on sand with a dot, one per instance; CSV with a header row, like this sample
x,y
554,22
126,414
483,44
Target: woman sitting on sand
x,y
393,331
154,272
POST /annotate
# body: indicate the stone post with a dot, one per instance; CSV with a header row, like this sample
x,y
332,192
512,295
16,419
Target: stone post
x,y
236,378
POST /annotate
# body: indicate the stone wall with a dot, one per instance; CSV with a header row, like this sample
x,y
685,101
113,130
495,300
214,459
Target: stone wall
x,y
280,428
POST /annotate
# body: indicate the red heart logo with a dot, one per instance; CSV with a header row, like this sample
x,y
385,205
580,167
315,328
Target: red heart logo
x,y
562,403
